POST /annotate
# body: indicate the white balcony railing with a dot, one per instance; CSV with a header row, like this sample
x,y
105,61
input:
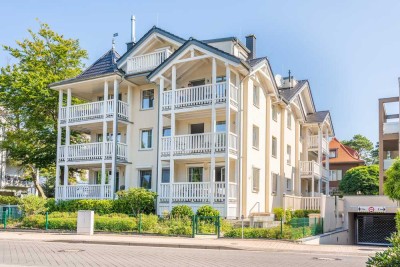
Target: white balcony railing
x,y
88,191
197,144
91,151
196,192
391,127
313,143
298,202
201,95
309,168
147,62
92,111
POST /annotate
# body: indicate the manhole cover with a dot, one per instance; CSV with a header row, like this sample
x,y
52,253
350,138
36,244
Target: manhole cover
x,y
71,250
326,259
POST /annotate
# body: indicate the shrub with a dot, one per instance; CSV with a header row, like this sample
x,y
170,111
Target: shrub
x,y
149,222
135,201
303,213
31,205
288,215
8,200
175,226
34,221
182,211
279,213
207,211
62,223
99,206
270,233
115,224
389,257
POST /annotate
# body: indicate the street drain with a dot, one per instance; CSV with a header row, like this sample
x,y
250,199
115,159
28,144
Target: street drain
x,y
326,259
71,250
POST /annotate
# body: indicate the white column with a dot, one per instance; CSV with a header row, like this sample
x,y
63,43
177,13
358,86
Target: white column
x,y
160,136
57,182
129,134
171,161
327,161
67,141
115,138
321,168
228,124
103,164
213,128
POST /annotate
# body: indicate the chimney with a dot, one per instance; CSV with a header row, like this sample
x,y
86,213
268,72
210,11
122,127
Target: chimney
x,y
133,33
251,45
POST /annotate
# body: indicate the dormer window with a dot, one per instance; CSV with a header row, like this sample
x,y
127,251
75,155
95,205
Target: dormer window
x,y
333,153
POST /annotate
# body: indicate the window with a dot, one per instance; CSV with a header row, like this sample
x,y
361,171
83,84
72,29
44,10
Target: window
x,y
220,174
256,180
165,175
109,137
274,113
197,128
197,82
221,79
195,174
289,184
274,147
101,98
220,127
146,139
148,99
145,178
289,120
289,155
274,183
336,175
332,153
166,132
256,96
255,137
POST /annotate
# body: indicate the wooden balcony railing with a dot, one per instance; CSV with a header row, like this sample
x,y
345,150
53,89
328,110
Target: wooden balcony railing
x,y
147,62
89,191
309,168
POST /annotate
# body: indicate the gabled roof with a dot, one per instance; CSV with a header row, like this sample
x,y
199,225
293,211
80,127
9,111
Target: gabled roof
x,y
344,154
200,44
317,117
289,93
144,37
105,65
253,62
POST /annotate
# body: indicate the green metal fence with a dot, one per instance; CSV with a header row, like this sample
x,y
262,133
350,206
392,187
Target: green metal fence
x,y
206,225
303,227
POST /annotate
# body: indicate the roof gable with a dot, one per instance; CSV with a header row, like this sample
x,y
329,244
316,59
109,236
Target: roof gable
x,y
344,154
290,93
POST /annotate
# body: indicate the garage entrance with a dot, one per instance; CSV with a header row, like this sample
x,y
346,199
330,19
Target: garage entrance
x,y
374,229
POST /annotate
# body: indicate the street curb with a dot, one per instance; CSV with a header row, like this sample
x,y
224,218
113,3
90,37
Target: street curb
x,y
141,244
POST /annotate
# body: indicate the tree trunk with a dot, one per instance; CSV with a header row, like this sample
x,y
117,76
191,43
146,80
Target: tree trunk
x,y
35,178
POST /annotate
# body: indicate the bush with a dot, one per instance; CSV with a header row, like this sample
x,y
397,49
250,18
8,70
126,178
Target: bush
x,y
303,213
149,222
389,257
62,223
115,224
279,213
182,211
174,226
7,200
34,221
288,215
135,201
270,233
207,211
100,206
32,205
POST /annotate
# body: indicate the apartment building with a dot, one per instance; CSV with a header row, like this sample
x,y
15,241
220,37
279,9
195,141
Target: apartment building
x,y
341,159
388,135
200,122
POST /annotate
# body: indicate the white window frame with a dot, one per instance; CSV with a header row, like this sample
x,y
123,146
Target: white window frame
x,y
151,177
289,120
274,155
141,99
289,155
255,181
256,96
151,139
275,183
256,137
274,113
333,151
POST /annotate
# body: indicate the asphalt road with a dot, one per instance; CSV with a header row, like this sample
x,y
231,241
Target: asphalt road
x,y
28,253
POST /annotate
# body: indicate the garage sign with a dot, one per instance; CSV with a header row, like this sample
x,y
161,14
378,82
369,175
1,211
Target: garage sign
x,y
372,209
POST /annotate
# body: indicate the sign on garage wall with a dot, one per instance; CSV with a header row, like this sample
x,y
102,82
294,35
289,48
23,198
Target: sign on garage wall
x,y
372,209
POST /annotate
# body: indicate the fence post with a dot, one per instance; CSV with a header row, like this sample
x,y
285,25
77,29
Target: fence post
x,y
140,223
218,227
322,225
281,227
5,217
193,225
303,224
47,221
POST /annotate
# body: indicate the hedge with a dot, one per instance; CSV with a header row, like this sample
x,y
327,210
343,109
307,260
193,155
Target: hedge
x,y
9,200
270,233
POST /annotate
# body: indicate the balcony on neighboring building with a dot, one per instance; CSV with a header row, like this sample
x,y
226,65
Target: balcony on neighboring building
x,y
92,111
391,127
147,62
92,152
198,144
199,96
84,191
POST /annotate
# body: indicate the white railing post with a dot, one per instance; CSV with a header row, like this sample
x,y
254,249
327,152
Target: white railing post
x,y
171,161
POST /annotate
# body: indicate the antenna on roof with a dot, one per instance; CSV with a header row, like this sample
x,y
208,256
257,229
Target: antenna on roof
x,y
290,84
113,40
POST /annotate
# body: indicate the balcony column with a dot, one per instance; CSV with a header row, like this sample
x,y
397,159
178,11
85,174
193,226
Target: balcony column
x,y
104,145
60,105
129,134
67,141
327,161
213,127
171,161
115,138
160,136
296,157
320,156
228,127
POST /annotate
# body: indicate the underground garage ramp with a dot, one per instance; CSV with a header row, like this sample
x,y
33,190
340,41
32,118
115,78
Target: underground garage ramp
x,y
374,229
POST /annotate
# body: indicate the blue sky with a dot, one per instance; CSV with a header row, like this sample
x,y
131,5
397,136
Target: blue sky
x,y
349,50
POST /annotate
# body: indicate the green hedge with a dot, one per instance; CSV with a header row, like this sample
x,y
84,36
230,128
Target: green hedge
x,y
303,213
270,233
8,200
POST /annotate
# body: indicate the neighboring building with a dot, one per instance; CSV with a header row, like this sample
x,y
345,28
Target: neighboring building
x,y
388,135
200,122
341,159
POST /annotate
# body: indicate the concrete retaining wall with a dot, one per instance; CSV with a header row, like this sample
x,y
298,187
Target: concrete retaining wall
x,y
339,237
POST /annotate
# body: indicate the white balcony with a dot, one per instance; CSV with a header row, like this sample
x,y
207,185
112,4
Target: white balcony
x,y
313,143
203,192
391,127
92,111
387,163
147,62
91,152
89,191
197,144
309,169
196,96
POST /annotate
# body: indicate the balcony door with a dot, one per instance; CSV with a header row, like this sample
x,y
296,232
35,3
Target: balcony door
x,y
197,128
220,174
195,174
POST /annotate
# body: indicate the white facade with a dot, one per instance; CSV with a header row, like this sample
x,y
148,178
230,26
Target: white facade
x,y
198,122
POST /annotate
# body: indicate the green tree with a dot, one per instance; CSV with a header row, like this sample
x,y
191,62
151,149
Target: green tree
x,y
361,180
362,145
29,107
391,186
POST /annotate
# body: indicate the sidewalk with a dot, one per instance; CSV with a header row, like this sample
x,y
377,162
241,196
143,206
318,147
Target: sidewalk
x,y
198,242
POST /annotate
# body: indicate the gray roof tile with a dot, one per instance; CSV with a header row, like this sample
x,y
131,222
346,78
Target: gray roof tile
x,y
289,93
317,117
255,61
